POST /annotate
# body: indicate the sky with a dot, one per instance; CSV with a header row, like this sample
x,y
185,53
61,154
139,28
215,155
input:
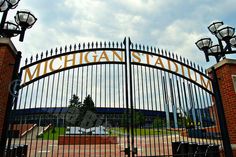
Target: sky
x,y
174,26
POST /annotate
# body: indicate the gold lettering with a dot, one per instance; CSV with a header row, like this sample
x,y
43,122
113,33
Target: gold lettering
x,y
136,55
81,58
52,62
86,57
69,60
159,61
189,75
204,84
148,58
35,73
45,67
118,56
95,57
169,66
182,67
103,56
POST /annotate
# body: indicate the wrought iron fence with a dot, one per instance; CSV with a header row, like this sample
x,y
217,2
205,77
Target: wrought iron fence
x,y
113,99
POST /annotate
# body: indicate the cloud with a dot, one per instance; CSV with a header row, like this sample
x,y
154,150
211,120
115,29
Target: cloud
x,y
170,25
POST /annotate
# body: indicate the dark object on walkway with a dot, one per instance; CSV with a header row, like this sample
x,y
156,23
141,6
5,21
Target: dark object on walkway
x,y
192,148
201,150
213,151
180,149
19,151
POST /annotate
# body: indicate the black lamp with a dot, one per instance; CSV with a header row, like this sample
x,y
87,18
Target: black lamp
x,y
24,20
226,41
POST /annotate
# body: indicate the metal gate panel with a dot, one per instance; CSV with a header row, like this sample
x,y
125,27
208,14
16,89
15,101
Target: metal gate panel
x,y
142,102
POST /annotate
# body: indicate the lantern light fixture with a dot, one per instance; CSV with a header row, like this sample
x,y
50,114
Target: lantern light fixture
x,y
226,41
24,19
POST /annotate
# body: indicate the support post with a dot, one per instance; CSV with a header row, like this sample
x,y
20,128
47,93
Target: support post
x,y
9,66
129,97
221,115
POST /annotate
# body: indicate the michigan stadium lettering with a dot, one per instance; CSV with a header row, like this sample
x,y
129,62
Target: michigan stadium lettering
x,y
66,61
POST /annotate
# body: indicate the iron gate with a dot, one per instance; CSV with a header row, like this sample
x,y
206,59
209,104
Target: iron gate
x,y
113,99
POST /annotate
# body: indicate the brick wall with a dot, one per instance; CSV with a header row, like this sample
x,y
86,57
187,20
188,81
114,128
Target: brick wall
x,y
228,94
6,70
224,70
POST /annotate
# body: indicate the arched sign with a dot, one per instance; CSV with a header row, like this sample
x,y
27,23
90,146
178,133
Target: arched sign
x,y
111,55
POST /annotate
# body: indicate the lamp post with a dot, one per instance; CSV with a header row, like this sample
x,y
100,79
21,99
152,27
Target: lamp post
x,y
226,43
23,20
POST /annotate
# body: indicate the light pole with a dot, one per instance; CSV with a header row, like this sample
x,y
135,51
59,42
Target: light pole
x,y
226,43
23,20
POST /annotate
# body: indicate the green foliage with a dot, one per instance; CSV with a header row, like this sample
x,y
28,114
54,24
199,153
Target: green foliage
x,y
159,122
53,130
189,122
77,110
142,131
53,133
88,104
181,122
74,102
138,118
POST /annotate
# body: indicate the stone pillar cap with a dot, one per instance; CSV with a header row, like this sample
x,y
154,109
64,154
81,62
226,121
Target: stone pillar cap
x,y
221,63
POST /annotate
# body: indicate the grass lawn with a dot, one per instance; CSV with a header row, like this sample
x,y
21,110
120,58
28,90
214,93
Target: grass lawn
x,y
53,135
142,131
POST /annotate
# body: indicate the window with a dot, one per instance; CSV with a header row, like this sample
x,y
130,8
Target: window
x,y
234,82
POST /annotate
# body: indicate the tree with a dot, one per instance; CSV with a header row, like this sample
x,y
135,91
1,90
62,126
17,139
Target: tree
x,y
88,104
74,102
189,123
138,118
76,113
72,116
159,122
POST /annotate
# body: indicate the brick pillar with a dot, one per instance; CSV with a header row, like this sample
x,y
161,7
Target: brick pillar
x,y
225,69
8,55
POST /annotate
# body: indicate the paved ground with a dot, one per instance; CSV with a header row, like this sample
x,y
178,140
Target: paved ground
x,y
147,146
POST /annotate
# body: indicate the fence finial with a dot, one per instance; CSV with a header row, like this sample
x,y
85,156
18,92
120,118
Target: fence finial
x,y
116,44
51,51
41,55
60,49
36,57
70,47
47,53
83,45
26,61
88,45
31,59
105,44
65,48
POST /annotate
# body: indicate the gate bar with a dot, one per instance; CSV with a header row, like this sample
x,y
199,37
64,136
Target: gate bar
x,y
221,115
129,97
